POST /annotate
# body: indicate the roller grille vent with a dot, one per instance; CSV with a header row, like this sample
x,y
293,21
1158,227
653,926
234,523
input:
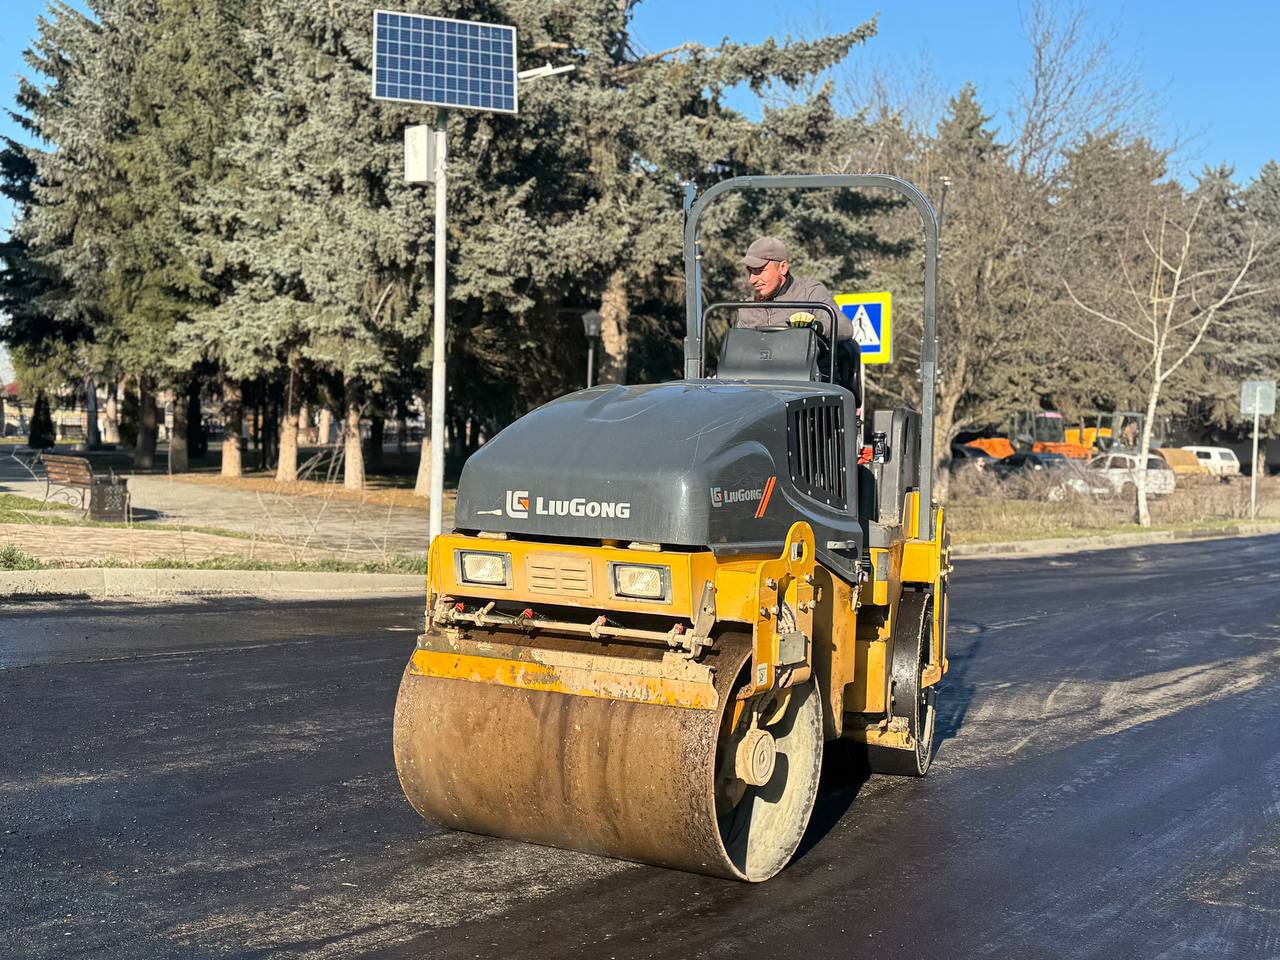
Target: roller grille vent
x,y
816,449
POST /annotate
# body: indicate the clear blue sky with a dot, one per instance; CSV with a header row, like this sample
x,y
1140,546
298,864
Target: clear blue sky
x,y
1218,66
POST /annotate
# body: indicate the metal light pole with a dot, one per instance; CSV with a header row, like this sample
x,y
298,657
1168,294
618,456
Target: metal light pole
x,y
425,161
591,323
1253,468
438,333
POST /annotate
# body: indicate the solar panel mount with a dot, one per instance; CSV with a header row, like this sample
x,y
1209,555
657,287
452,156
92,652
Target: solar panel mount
x,y
443,62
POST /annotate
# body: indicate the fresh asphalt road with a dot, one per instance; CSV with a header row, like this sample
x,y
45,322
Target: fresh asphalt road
x,y
214,779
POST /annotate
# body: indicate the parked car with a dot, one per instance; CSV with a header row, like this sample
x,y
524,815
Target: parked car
x,y
969,458
1121,471
1025,464
1074,477
1057,476
1218,461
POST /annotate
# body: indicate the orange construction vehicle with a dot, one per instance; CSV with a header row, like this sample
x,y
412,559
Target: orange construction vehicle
x,y
1035,431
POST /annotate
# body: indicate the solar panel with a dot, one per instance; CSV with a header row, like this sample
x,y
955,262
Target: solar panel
x,y
448,63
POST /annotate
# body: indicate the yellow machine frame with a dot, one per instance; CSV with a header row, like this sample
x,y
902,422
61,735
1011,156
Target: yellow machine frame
x,y
851,629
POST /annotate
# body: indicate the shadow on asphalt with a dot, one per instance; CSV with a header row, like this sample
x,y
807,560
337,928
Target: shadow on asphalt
x,y
844,766
956,691
844,773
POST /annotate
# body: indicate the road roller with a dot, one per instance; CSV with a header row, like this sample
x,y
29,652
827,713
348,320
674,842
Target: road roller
x,y
661,603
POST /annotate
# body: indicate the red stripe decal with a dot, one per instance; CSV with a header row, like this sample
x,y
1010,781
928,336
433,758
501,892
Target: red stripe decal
x,y
764,501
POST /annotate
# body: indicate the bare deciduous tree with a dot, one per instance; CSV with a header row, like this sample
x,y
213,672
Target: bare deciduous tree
x,y
1074,85
1168,291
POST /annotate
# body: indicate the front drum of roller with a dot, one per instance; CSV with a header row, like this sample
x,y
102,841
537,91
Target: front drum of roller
x,y
617,778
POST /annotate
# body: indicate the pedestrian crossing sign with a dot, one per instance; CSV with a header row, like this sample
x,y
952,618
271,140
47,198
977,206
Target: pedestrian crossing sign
x,y
872,318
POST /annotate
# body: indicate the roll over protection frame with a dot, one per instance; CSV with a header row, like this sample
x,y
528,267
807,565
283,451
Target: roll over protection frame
x,y
693,341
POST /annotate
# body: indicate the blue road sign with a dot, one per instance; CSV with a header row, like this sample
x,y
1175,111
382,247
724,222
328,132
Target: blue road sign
x,y
872,318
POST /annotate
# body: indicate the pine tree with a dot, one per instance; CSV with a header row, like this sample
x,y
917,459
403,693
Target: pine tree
x,y
51,265
314,222
184,96
42,434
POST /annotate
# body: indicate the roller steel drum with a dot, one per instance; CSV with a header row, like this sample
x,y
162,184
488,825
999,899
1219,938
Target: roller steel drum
x,y
636,781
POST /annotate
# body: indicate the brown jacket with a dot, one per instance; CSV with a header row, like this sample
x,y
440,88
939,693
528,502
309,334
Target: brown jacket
x,y
796,289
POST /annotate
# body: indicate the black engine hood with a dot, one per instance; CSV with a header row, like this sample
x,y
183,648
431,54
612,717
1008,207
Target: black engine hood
x,y
694,463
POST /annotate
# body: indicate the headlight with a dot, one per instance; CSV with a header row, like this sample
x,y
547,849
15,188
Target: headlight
x,y
641,581
490,569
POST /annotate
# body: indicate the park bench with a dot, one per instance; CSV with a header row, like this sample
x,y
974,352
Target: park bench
x,y
72,479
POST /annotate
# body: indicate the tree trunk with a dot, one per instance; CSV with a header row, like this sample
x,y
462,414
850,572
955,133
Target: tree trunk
x,y
272,413
233,420
422,486
144,451
111,418
1144,449
353,465
304,424
944,425
92,438
324,432
287,461
197,439
615,312
255,432
377,437
943,434
179,459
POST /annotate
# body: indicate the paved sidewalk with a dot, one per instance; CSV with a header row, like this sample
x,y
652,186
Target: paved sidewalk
x,y
72,544
280,525
15,479
342,528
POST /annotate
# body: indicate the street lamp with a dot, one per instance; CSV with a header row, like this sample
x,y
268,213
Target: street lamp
x,y
486,80
591,321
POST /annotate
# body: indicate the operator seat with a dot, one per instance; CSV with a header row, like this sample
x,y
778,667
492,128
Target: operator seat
x,y
749,354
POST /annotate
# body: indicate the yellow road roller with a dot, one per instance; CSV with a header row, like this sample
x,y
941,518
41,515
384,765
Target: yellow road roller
x,y
661,601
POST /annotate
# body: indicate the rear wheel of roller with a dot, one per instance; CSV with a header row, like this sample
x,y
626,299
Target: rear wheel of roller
x,y
913,702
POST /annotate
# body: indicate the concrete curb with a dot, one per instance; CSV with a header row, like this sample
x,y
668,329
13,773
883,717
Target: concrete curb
x,y
134,582
101,582
1114,541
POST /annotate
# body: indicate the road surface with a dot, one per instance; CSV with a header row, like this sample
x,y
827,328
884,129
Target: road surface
x,y
214,778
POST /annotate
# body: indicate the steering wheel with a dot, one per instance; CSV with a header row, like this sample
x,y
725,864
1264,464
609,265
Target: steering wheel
x,y
816,328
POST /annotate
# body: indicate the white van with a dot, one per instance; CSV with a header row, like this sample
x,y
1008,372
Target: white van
x,y
1218,461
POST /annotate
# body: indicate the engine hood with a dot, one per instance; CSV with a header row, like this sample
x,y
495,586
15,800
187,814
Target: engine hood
x,y
696,463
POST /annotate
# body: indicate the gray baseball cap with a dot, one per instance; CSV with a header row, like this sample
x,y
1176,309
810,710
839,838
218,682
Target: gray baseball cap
x,y
764,250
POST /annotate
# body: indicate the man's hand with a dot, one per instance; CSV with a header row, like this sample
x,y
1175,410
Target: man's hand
x,y
801,319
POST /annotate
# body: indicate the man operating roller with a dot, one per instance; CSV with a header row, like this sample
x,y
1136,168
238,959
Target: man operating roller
x,y
769,273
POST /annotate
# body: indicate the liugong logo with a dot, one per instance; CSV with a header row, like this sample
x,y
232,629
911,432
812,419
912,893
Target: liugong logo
x,y
520,505
721,496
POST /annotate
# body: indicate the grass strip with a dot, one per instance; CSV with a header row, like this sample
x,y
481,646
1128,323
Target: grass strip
x,y
13,558
1013,534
